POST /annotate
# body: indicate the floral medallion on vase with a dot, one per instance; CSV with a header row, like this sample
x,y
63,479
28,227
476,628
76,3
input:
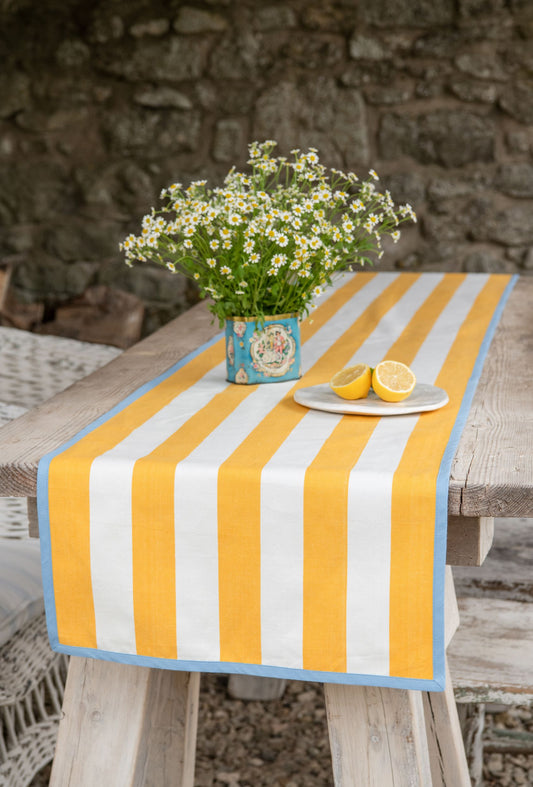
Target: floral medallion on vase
x,y
263,352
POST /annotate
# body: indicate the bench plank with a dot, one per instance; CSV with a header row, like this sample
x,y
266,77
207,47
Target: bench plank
x,y
491,654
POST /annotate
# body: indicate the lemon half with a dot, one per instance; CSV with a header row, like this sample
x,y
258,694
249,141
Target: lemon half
x,y
393,381
352,382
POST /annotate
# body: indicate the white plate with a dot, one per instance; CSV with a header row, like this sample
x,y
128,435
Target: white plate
x,y
321,397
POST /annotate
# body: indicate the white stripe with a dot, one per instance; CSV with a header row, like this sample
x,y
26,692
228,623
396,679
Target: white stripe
x,y
111,520
282,535
369,502
282,483
110,509
196,491
432,354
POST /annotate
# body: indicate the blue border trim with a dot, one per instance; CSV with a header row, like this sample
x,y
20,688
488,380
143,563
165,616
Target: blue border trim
x,y
441,521
443,480
42,484
227,667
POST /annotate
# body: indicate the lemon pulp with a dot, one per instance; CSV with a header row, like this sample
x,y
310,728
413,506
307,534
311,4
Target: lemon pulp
x,y
352,382
393,381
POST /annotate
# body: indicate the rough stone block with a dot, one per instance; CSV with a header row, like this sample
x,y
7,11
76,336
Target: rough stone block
x,y
72,53
153,27
380,72
516,180
438,43
155,285
469,90
274,17
440,229
481,65
15,93
511,226
77,240
430,89
235,58
329,17
396,94
105,27
522,8
527,263
229,140
421,13
363,47
170,60
152,132
22,202
487,262
406,187
196,20
306,51
315,113
162,97
518,142
444,191
473,8
517,101
45,277
450,138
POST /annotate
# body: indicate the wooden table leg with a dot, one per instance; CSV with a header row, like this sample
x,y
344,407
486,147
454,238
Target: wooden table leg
x,y
126,725
449,765
447,754
249,687
377,737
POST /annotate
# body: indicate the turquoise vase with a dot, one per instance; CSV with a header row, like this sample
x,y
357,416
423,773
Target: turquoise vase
x,y
263,352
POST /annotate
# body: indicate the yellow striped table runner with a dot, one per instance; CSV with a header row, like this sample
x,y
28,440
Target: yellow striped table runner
x,y
202,525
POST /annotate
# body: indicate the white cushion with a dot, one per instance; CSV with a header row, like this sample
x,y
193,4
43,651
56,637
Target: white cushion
x,y
21,590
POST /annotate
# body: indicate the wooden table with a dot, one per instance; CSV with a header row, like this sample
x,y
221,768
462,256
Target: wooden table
x,y
128,725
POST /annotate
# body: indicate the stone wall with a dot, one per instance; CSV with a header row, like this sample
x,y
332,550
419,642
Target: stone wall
x,y
103,103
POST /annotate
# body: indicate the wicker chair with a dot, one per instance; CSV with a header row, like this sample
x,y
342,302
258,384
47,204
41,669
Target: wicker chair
x,y
32,677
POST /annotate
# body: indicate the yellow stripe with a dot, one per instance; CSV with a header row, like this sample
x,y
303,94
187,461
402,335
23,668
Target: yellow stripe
x,y
239,524
70,548
326,544
239,519
326,529
413,505
154,579
68,486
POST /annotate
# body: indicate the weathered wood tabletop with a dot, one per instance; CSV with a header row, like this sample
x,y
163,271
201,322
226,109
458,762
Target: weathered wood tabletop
x,y
492,473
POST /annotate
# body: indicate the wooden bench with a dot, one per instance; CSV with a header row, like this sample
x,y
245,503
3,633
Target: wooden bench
x,y
32,677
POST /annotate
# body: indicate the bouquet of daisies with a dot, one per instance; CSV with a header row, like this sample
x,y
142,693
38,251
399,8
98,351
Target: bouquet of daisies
x,y
268,241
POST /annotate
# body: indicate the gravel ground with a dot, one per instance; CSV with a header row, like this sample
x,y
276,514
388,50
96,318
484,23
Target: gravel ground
x,y
284,743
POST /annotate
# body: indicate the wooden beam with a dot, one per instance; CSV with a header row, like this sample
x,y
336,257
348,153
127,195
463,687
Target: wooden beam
x,y
250,687
33,521
451,608
126,725
469,540
377,736
447,755
5,278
